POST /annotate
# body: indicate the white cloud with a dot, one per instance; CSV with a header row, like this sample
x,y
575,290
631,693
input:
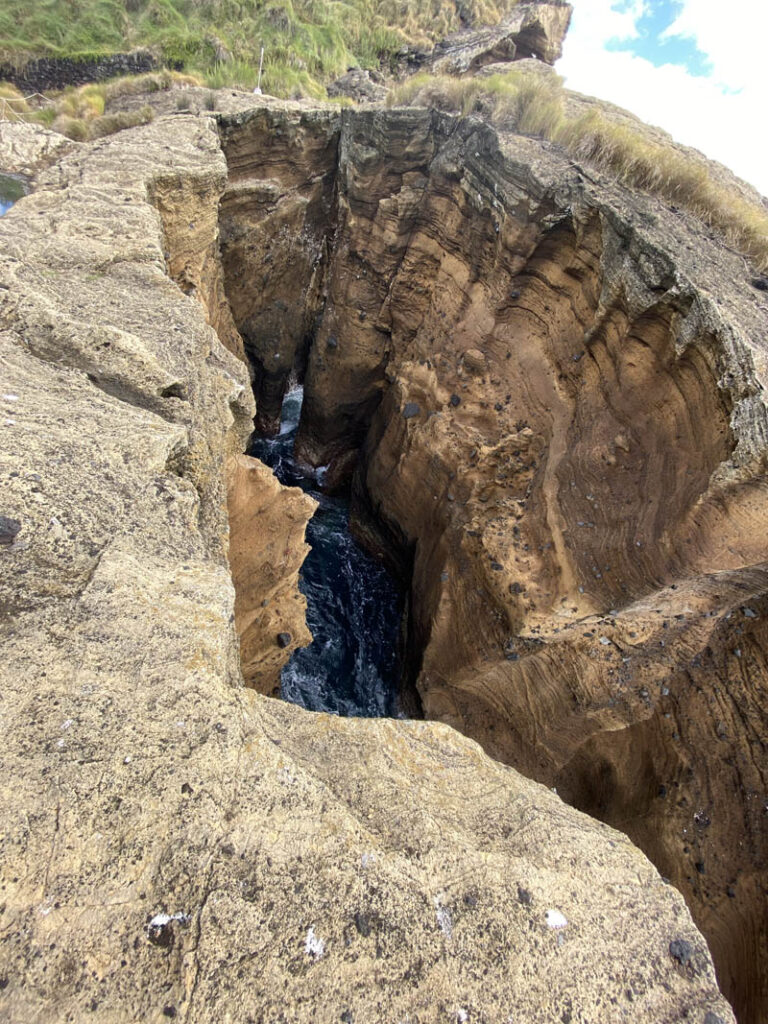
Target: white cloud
x,y
704,112
733,39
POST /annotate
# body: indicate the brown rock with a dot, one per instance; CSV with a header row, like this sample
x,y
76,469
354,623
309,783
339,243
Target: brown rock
x,y
620,479
474,360
267,523
172,841
276,217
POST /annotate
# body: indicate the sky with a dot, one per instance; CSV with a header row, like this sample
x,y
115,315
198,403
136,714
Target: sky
x,y
696,68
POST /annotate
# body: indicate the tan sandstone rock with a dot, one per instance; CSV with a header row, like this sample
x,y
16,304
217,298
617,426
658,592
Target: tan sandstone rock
x,y
173,844
580,503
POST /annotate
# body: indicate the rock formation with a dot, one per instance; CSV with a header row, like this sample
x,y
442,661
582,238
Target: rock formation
x,y
559,385
530,30
174,844
266,550
275,217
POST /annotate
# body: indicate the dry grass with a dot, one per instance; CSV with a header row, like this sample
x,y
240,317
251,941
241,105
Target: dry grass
x,y
81,113
534,105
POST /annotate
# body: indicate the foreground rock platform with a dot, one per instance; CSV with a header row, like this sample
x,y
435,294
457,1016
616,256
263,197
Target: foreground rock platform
x,y
173,843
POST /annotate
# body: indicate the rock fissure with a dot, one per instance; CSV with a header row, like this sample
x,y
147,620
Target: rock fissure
x,y
206,833
547,425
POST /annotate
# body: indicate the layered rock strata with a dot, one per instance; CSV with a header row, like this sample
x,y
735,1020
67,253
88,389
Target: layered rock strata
x,y
276,217
173,844
560,389
530,30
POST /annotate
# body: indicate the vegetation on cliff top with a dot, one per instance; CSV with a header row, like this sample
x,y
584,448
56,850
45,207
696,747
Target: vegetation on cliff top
x,y
307,42
535,105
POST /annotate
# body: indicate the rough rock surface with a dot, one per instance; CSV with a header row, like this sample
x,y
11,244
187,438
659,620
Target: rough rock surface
x,y
276,216
561,387
266,550
531,30
360,85
174,844
29,148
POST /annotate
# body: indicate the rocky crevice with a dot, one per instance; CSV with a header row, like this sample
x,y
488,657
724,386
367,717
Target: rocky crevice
x,y
175,845
277,215
554,429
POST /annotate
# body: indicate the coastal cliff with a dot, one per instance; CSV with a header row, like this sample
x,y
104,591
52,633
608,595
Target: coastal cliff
x,y
174,843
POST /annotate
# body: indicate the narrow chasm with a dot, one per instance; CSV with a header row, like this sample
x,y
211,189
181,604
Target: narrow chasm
x,y
354,605
528,402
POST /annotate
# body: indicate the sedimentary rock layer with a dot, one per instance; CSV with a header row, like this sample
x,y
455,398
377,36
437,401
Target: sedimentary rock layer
x,y
553,392
531,30
174,844
276,217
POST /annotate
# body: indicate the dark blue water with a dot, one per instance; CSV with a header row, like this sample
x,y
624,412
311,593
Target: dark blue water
x,y
354,605
12,187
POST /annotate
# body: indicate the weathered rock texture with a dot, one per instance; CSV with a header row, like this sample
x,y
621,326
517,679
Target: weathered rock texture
x,y
560,387
276,216
531,30
266,550
29,148
173,844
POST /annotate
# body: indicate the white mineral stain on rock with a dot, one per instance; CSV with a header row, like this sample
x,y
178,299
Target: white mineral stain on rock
x,y
556,920
161,920
314,946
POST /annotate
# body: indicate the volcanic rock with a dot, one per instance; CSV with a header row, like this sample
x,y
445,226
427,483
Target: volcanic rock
x,y
175,844
610,457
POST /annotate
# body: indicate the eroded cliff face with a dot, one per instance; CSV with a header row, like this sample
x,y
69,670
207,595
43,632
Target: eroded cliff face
x,y
552,391
277,214
174,845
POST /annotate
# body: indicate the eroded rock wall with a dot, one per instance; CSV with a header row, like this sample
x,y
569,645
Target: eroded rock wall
x,y
277,215
173,844
559,387
267,548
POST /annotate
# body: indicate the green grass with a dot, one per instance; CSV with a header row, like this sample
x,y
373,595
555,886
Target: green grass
x,y
307,42
534,105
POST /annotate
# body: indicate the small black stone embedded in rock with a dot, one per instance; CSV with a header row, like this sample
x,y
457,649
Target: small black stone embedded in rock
x,y
713,1018
8,529
455,400
410,410
524,896
283,639
363,924
681,950
761,283
332,341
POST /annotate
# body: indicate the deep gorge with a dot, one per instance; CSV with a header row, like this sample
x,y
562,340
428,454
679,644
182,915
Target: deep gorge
x,y
541,394
538,417
354,605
